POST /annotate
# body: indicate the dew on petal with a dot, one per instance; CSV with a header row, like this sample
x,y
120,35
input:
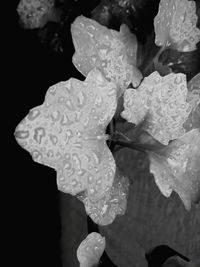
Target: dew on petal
x,y
114,53
177,168
166,106
91,249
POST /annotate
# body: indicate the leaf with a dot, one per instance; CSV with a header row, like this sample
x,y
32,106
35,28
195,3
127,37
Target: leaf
x,y
113,203
175,24
112,52
177,168
163,101
67,134
90,250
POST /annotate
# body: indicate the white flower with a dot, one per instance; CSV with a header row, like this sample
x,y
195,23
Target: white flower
x,y
177,168
114,53
67,133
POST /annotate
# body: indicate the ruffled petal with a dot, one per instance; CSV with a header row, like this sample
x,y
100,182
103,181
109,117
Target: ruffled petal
x,y
175,24
91,249
114,53
163,99
67,134
177,168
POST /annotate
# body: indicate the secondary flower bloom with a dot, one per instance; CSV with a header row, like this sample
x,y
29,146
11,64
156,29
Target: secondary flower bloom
x,y
36,13
67,133
177,168
193,98
91,249
175,24
113,203
114,53
163,99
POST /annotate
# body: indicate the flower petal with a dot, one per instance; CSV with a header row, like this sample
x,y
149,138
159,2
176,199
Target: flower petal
x,y
91,249
67,134
177,168
163,99
175,24
113,203
193,98
110,51
35,13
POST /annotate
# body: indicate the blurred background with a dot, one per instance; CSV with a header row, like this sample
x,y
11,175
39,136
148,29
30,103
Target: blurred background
x,y
48,224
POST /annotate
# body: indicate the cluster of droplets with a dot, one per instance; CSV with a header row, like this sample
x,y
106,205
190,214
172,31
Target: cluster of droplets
x,y
164,100
36,13
113,203
91,249
175,24
112,52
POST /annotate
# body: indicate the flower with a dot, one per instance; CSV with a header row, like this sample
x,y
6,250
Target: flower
x,y
67,133
193,98
163,101
36,13
113,203
112,52
91,249
177,168
175,24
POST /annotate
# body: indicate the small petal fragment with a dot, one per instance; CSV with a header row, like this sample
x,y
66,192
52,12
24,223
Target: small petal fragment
x,y
113,203
67,134
163,99
36,13
177,168
175,24
114,53
91,249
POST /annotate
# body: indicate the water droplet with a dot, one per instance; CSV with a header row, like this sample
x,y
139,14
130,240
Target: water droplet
x,y
98,101
76,160
53,139
69,104
74,182
33,114
96,158
50,153
65,121
81,100
90,178
78,114
21,134
36,155
55,115
68,166
39,134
